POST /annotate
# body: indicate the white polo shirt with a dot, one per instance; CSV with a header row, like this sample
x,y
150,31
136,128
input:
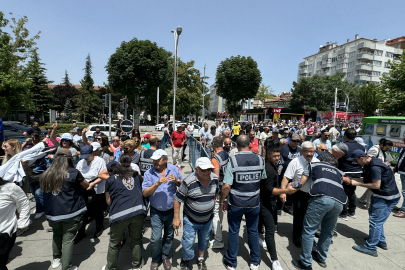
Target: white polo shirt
x,y
296,168
91,172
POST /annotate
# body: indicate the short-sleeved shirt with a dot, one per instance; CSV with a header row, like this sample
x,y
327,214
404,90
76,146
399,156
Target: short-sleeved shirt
x,y
91,172
198,200
163,197
178,138
289,153
295,170
209,139
264,136
236,130
204,133
327,143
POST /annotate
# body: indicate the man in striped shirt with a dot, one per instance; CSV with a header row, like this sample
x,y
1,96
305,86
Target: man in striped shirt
x,y
197,192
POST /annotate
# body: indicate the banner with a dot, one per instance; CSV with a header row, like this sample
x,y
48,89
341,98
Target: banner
x,y
307,112
302,119
266,110
351,116
277,110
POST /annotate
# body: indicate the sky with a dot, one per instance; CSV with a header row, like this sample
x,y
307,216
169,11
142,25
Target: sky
x,y
276,34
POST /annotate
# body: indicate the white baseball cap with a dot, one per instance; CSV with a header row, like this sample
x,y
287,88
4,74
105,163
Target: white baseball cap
x,y
158,154
204,163
95,146
66,136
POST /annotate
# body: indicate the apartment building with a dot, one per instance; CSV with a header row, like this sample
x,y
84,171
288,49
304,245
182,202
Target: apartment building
x,y
217,103
362,60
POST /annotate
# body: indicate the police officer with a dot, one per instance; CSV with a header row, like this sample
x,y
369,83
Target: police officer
x,y
124,193
326,203
380,179
352,170
64,205
145,160
219,162
242,182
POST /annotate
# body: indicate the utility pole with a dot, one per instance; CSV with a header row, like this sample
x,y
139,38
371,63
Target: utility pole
x,y
334,113
157,115
109,114
203,94
125,107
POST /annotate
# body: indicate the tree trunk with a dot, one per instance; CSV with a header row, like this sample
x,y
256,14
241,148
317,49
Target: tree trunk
x,y
137,113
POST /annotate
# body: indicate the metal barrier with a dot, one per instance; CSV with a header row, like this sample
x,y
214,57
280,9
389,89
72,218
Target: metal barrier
x,y
195,151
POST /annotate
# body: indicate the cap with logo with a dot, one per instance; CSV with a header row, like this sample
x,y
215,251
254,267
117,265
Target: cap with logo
x,y
66,136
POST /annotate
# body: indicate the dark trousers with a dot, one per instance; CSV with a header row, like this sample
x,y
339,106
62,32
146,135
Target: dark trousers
x,y
184,151
95,209
300,202
350,207
6,244
268,217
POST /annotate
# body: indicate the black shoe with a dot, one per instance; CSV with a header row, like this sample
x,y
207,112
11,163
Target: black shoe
x,y
299,265
297,242
201,264
316,258
184,265
79,237
335,233
98,233
318,233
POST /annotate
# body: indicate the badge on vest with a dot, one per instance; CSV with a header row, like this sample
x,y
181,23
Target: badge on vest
x,y
242,177
146,166
280,169
128,183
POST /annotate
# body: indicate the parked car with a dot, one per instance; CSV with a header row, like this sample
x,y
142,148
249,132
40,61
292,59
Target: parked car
x,y
160,127
196,132
11,132
103,128
22,127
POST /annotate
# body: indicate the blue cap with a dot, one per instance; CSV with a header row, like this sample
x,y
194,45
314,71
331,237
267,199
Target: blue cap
x,y
110,165
356,154
86,151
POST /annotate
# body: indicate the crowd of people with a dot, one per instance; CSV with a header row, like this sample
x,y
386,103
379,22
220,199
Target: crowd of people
x,y
254,171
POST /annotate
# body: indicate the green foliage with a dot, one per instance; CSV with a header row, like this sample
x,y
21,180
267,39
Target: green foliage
x,y
68,111
264,92
62,93
238,79
66,80
41,94
393,88
136,69
318,93
15,47
87,101
65,127
366,98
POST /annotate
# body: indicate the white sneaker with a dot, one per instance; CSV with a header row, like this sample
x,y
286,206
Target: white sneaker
x,y
215,244
276,265
39,215
74,268
254,267
55,263
352,216
262,243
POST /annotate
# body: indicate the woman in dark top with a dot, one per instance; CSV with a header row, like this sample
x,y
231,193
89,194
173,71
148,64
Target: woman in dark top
x,y
103,140
135,133
64,205
269,192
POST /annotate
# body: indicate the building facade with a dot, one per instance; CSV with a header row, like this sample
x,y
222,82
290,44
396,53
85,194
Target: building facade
x,y
217,103
362,60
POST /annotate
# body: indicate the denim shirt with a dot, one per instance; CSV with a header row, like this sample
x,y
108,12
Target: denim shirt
x,y
163,197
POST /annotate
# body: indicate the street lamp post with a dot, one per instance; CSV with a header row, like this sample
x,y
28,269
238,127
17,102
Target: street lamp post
x,y
176,43
203,94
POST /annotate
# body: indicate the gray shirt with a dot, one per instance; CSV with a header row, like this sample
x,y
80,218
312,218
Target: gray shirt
x,y
209,137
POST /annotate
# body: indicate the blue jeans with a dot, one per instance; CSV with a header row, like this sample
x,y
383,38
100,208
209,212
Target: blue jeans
x,y
322,211
252,220
379,211
402,176
190,229
39,197
160,248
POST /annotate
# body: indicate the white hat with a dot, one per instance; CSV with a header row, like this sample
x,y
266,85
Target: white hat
x,y
158,154
95,146
204,163
66,136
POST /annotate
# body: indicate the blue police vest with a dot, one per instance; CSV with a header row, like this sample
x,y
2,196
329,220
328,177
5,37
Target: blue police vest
x,y
401,162
68,202
146,161
222,158
126,196
351,166
388,189
328,181
247,172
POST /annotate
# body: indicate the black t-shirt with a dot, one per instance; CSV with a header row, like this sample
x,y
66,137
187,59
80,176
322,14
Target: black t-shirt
x,y
267,185
248,129
289,153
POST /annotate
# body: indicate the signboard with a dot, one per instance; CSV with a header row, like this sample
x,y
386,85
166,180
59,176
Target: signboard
x,y
395,151
351,116
127,126
266,110
392,121
277,110
244,111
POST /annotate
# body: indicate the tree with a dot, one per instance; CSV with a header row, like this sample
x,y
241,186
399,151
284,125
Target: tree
x,y
41,94
62,93
367,98
264,92
68,111
87,101
66,80
237,79
393,88
136,69
14,50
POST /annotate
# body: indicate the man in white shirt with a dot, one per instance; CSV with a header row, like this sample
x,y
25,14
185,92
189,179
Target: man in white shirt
x,y
301,198
203,133
190,128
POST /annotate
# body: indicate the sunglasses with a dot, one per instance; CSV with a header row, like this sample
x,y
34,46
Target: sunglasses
x,y
323,149
295,141
209,169
98,139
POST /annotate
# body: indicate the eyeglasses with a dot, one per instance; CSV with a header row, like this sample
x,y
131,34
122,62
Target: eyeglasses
x,y
98,139
323,149
296,141
116,140
209,169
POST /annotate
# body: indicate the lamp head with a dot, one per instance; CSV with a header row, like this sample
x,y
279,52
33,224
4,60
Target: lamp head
x,y
172,31
179,30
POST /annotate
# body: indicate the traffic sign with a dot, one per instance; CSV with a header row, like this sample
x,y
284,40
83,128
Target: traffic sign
x,y
127,126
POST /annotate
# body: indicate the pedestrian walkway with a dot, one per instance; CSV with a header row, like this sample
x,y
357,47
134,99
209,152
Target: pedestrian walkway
x,y
33,250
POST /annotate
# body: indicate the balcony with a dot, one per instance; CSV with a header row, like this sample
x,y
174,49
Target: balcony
x,y
362,77
365,55
366,44
364,67
303,71
327,65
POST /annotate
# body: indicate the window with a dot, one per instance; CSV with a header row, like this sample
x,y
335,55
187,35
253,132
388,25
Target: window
x,y
351,54
341,56
378,52
388,54
386,74
309,74
351,64
377,63
387,65
334,59
319,63
318,71
310,66
334,68
350,74
376,73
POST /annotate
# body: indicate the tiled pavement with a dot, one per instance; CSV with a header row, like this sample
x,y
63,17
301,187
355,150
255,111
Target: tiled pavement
x,y
33,251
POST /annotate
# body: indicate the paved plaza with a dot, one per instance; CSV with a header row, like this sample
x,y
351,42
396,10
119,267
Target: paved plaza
x,y
33,250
